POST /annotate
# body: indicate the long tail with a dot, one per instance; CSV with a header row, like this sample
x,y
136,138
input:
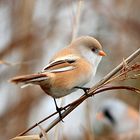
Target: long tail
x,y
29,79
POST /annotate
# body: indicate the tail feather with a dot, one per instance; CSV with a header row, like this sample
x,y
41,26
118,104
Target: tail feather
x,y
31,78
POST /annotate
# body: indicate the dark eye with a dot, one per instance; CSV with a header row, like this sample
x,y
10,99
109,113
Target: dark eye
x,y
71,61
108,115
94,50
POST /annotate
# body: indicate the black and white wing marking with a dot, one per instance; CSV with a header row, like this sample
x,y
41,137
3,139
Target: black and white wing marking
x,y
63,62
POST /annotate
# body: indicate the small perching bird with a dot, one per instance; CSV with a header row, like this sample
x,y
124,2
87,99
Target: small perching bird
x,y
117,116
70,69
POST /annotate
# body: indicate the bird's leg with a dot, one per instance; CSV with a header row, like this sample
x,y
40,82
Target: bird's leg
x,y
58,109
85,89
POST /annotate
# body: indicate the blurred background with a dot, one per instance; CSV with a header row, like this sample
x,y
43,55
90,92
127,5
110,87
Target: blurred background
x,y
32,31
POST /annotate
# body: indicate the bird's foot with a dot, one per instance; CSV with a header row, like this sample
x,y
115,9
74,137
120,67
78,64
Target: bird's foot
x,y
59,109
85,89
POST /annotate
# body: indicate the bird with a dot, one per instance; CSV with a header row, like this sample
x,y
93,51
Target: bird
x,y
68,70
117,116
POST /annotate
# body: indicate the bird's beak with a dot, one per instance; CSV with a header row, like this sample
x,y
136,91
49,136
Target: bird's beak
x,y
102,53
99,116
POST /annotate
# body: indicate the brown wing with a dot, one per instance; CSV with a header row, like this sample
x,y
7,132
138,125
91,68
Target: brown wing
x,y
61,65
53,67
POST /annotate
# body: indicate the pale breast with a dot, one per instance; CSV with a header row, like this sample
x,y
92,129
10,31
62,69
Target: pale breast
x,y
65,82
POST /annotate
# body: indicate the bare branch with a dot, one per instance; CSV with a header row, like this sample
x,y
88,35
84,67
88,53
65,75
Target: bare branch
x,y
94,88
124,72
27,130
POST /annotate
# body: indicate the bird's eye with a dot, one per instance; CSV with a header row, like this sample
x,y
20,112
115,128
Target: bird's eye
x,y
108,115
94,50
71,61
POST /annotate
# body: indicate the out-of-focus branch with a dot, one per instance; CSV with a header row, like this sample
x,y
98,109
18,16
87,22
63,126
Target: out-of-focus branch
x,y
15,43
77,20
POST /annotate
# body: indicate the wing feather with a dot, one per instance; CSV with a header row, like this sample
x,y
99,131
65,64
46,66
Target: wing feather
x,y
62,64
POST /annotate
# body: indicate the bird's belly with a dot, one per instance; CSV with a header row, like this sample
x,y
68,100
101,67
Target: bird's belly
x,y
58,93
66,87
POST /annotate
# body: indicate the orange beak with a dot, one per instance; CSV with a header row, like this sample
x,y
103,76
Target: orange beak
x,y
99,116
102,53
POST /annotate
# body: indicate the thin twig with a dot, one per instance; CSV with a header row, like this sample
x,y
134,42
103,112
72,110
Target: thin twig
x,y
105,89
135,67
117,87
43,132
78,100
35,125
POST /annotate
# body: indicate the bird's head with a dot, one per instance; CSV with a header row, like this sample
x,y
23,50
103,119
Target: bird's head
x,y
89,48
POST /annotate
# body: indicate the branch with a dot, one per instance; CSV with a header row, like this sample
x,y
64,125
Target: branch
x,y
117,87
124,72
78,100
98,88
35,125
93,89
102,90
